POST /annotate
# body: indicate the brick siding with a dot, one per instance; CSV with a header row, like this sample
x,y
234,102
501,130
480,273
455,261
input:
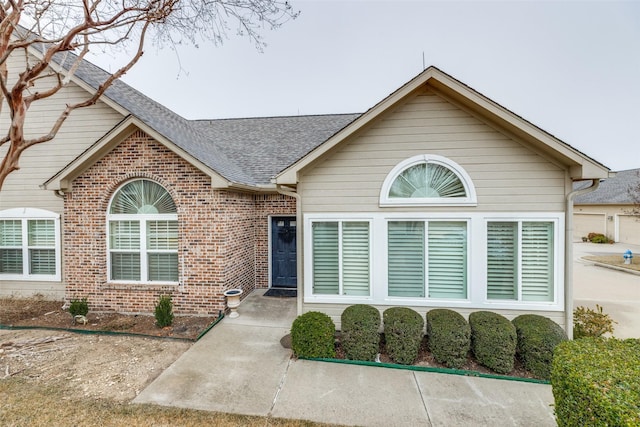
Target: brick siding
x,y
223,235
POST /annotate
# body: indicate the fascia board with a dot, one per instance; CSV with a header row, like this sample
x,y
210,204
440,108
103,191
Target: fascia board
x,y
289,176
580,166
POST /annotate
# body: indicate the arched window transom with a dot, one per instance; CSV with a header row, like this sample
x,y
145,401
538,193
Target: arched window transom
x,y
427,180
142,197
143,234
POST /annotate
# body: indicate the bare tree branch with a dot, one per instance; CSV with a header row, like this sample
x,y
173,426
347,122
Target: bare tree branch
x,y
57,35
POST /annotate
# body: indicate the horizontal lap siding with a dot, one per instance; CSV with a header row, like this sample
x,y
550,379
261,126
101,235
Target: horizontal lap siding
x,y
39,163
503,171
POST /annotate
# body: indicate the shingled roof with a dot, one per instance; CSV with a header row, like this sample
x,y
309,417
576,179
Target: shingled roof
x,y
612,191
246,151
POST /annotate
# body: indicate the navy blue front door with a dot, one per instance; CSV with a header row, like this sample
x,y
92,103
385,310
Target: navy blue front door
x,y
283,252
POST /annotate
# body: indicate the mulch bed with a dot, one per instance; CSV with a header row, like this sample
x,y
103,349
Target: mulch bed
x,y
38,312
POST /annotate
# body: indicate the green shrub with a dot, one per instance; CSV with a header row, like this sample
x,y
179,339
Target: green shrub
x,y
313,335
538,336
493,341
79,307
597,238
596,382
360,332
449,336
403,334
591,323
164,311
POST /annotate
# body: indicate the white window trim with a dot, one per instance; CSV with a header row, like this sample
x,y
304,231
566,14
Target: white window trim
x,y
470,200
308,263
558,261
404,300
24,215
143,251
476,259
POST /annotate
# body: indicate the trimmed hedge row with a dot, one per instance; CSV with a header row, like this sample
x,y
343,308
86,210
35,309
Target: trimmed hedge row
x,y
448,336
492,338
596,382
313,335
360,332
493,341
538,336
403,334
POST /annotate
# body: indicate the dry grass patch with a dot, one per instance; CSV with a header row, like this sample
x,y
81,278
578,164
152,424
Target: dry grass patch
x,y
27,403
616,261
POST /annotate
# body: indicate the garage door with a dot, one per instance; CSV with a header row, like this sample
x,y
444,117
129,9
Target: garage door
x,y
629,229
583,224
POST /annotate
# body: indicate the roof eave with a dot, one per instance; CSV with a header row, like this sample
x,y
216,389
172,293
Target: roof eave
x,y
579,165
62,180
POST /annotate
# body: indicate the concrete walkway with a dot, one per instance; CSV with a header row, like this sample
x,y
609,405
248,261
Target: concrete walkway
x,y
240,367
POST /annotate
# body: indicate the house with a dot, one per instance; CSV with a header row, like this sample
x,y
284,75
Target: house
x,y
434,197
609,209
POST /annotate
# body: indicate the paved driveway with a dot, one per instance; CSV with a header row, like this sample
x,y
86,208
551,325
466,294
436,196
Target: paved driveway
x,y
617,292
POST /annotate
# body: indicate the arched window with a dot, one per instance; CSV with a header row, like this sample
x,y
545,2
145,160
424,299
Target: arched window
x,y
428,180
143,234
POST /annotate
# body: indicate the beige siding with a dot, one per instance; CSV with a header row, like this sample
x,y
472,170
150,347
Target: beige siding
x,y
49,290
335,311
503,171
41,162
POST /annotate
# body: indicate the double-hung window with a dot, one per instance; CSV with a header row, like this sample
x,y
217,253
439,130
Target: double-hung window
x,y
29,244
143,234
341,258
520,260
427,259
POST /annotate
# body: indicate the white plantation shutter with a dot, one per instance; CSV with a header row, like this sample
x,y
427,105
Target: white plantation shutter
x,y
125,266
355,258
537,261
124,235
406,259
326,248
42,244
11,246
341,258
502,260
447,260
163,267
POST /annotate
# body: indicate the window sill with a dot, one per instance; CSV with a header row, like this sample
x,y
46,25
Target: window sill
x,y
171,287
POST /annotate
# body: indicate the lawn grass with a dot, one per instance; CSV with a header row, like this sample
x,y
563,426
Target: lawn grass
x,y
26,403
616,261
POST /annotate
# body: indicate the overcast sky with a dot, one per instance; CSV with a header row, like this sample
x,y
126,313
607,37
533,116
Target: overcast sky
x,y
572,68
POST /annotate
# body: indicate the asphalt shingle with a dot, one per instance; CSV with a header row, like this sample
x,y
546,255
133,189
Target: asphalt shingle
x,y
612,191
246,151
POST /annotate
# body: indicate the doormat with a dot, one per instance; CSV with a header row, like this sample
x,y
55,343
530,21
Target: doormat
x,y
283,293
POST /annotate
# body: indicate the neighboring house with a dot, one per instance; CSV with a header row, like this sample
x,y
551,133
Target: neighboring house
x,y
435,197
608,210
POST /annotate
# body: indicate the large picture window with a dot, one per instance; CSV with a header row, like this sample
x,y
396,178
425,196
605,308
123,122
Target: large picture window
x,y
143,234
475,260
520,261
427,259
29,245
